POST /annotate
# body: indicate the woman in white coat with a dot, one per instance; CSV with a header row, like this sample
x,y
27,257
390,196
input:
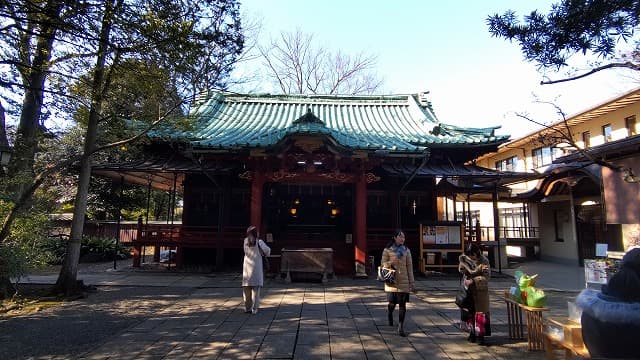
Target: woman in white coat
x,y
252,273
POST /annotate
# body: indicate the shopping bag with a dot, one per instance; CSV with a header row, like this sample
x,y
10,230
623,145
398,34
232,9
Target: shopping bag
x,y
481,324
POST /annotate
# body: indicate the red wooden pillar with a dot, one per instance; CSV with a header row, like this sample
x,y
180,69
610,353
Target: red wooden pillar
x,y
179,256
137,248
361,227
136,256
256,199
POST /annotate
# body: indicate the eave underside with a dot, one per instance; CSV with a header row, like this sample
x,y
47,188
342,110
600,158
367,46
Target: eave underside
x,y
167,173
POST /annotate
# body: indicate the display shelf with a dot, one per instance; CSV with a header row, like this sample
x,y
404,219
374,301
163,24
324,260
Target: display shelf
x,y
565,336
533,320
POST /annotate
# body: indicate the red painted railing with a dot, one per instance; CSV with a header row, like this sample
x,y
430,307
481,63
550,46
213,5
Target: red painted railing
x,y
193,236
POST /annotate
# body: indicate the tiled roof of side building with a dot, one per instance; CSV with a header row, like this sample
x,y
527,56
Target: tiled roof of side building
x,y
395,123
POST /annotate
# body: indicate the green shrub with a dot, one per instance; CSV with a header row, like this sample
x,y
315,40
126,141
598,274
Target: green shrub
x,y
92,249
13,260
95,248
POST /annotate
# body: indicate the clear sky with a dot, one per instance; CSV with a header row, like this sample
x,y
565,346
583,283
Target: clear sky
x,y
443,47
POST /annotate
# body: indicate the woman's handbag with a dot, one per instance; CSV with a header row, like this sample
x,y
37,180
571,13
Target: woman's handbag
x,y
464,298
386,275
265,261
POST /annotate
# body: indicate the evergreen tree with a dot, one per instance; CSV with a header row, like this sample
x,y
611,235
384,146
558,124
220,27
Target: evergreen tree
x,y
591,27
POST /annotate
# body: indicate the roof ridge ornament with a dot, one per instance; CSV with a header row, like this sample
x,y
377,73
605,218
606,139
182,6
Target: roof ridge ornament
x,y
308,118
423,100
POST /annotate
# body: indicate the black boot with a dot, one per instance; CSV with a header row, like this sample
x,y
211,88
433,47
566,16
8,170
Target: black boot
x,y
390,308
401,331
472,338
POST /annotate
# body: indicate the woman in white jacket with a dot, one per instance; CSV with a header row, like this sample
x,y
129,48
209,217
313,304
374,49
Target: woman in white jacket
x,y
252,273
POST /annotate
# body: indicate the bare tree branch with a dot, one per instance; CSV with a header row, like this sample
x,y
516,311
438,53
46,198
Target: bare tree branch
x,y
296,65
562,131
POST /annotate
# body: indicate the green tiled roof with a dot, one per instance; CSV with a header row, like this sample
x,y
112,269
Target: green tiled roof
x,y
394,123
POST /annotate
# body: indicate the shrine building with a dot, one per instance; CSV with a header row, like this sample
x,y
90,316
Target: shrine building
x,y
310,171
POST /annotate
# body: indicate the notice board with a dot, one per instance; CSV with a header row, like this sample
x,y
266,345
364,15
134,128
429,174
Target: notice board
x,y
441,235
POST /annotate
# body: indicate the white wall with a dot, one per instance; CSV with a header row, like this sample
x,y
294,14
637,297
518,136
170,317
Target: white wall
x,y
552,250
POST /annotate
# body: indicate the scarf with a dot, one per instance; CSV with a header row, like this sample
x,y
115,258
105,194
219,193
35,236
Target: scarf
x,y
466,265
400,250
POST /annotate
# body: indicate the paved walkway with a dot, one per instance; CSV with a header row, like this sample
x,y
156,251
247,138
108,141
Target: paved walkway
x,y
344,319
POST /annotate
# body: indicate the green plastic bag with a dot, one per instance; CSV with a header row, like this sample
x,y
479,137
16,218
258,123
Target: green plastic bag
x,y
536,297
526,281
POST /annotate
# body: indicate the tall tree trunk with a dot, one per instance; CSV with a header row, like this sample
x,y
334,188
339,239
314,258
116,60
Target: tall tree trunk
x,y
4,141
67,279
34,75
6,287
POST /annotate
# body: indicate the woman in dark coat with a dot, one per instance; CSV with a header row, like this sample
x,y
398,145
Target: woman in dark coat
x,y
397,256
474,267
611,317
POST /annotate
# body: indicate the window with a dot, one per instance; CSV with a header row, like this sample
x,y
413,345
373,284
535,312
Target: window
x,y
586,139
513,222
630,124
606,132
508,164
473,214
544,155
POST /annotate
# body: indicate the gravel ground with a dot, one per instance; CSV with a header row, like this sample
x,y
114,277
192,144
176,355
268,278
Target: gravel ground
x,y
75,327
79,326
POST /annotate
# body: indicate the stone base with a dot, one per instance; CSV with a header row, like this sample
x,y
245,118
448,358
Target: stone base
x,y
361,272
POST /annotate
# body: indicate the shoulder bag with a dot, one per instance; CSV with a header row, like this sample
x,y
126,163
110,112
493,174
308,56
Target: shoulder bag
x,y
265,260
464,298
386,275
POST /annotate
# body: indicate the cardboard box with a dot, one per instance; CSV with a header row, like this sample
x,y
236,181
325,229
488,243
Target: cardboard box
x,y
575,313
573,334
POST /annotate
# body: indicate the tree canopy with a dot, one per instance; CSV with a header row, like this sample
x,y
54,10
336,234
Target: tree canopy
x,y
74,58
588,27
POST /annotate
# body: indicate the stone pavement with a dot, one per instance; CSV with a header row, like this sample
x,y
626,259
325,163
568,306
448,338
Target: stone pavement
x,y
343,319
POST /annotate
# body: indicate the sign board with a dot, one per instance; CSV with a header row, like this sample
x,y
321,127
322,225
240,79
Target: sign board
x,y
454,235
442,235
601,249
595,271
428,235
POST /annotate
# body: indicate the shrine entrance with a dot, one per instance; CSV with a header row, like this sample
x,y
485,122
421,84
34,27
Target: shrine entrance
x,y
311,215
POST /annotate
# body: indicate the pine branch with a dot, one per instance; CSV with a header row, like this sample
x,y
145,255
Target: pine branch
x,y
627,65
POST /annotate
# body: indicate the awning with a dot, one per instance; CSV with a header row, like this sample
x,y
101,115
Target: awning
x,y
160,173
559,177
479,176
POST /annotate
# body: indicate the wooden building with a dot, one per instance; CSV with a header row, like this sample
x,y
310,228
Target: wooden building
x,y
310,171
589,192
